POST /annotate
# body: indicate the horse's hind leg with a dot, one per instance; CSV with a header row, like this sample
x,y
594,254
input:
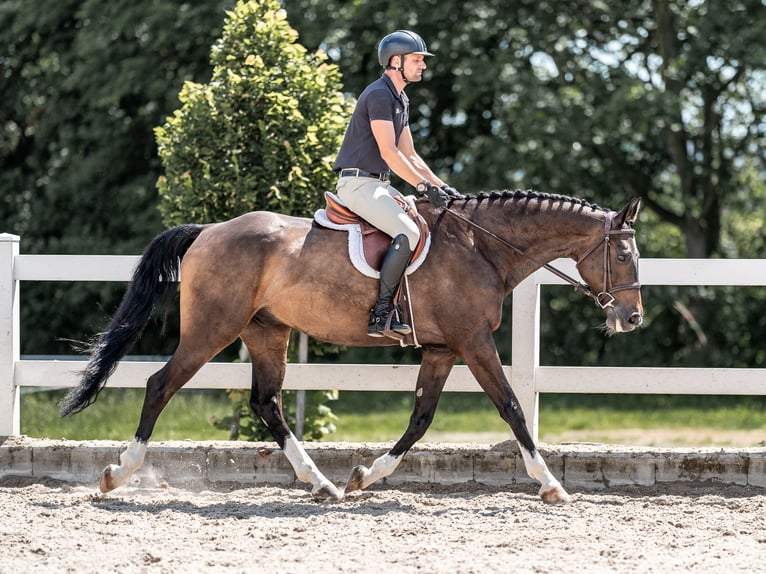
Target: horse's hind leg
x,y
267,344
160,387
434,370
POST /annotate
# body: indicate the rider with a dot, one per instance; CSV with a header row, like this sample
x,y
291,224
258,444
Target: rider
x,y
377,142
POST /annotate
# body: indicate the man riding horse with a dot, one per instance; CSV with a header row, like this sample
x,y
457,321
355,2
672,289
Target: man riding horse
x,y
378,141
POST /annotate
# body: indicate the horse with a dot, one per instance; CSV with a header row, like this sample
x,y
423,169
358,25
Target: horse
x,y
260,275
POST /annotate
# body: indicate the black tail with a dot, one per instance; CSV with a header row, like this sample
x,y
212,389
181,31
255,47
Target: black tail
x,y
154,280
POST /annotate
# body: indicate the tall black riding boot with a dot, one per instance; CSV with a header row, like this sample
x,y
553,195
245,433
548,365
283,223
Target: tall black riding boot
x,y
391,271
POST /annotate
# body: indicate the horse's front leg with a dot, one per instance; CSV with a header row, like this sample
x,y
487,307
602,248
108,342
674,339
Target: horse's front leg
x,y
434,369
267,345
484,363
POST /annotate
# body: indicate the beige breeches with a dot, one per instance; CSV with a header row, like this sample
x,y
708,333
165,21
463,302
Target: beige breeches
x,y
373,200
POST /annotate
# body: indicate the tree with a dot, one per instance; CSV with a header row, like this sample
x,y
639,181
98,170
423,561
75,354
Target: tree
x,y
262,133
659,99
83,85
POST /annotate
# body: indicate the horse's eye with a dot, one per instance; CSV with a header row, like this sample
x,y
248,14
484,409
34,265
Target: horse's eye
x,y
622,258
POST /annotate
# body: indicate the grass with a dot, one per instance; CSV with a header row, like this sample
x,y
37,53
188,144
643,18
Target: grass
x,y
115,416
382,417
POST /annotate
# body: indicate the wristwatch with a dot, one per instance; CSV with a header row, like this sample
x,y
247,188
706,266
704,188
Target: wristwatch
x,y
422,187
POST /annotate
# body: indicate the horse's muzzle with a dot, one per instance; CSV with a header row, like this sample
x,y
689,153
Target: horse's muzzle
x,y
618,322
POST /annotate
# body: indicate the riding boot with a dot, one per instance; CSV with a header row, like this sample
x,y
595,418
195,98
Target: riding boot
x,y
391,271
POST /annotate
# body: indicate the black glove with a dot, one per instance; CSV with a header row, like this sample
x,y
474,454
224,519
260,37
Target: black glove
x,y
437,196
452,192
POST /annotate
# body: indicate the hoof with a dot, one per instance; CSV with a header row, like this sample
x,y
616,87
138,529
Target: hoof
x,y
356,480
555,495
327,492
108,482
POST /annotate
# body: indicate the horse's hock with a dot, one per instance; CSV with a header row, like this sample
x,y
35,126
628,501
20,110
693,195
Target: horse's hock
x,y
200,465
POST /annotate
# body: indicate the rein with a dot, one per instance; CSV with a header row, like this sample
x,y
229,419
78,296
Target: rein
x,y
603,299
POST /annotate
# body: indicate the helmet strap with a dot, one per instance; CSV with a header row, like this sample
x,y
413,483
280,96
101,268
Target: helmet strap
x,y
400,69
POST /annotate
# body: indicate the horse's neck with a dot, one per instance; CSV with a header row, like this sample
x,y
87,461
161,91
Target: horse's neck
x,y
543,235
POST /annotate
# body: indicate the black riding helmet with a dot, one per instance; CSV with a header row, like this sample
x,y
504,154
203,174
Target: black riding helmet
x,y
400,43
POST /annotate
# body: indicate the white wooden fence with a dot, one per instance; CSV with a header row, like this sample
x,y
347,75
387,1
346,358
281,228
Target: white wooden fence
x,y
527,376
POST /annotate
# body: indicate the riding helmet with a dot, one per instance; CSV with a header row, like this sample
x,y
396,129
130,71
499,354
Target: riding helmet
x,y
399,43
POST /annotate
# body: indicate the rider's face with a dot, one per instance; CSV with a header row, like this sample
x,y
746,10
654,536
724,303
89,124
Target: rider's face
x,y
414,65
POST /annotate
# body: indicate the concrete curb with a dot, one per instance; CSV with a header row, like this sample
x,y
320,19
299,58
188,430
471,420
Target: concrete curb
x,y
199,465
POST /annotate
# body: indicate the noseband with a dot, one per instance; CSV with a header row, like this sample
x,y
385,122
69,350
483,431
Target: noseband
x,y
604,298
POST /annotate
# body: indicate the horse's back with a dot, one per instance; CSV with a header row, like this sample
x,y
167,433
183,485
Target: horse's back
x,y
271,249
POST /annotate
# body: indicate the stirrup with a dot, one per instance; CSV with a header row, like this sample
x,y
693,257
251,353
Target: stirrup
x,y
387,326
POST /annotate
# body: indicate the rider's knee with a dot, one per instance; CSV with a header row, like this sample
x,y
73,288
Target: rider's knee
x,y
407,239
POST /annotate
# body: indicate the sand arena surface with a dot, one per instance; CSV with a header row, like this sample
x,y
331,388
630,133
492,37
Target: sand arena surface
x,y
50,526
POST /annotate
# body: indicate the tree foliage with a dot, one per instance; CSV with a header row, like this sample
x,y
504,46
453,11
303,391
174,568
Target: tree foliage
x,y
84,83
262,133
658,98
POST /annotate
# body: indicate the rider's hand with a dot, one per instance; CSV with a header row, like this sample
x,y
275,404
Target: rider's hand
x,y
452,192
437,196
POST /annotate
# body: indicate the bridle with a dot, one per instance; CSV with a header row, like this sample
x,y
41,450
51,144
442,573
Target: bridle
x,y
604,298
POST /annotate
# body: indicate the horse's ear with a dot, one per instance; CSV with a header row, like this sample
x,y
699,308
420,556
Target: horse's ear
x,y
629,214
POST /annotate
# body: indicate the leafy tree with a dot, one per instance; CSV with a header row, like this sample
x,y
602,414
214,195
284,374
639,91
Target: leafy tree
x,y
84,83
660,99
262,133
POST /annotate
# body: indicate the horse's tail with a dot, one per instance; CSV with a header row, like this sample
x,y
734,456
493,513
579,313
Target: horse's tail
x,y
154,280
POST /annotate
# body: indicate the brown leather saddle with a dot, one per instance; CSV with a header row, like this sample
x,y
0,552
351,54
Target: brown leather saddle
x,y
374,241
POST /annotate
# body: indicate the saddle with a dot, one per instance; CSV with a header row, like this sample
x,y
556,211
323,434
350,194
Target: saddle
x,y
375,243
367,246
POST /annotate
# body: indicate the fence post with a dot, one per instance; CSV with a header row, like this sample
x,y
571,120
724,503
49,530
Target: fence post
x,y
9,336
525,352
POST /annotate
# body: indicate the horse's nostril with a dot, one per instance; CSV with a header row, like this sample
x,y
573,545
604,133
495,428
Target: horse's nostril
x,y
636,319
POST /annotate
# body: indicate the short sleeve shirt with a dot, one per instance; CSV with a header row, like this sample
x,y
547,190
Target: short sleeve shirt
x,y
379,101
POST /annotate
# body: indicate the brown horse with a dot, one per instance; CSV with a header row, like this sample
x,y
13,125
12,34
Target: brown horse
x,y
262,274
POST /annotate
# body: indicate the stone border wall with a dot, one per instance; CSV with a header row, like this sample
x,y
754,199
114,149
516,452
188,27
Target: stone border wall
x,y
199,465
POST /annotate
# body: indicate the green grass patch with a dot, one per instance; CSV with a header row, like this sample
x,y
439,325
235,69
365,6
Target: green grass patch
x,y
381,417
115,415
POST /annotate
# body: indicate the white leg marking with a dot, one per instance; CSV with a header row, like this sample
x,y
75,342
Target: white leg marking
x,y
305,468
550,488
381,468
130,461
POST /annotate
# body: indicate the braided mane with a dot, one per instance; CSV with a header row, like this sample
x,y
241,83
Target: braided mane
x,y
526,194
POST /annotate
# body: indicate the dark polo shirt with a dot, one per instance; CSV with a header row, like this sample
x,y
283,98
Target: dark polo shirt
x,y
379,101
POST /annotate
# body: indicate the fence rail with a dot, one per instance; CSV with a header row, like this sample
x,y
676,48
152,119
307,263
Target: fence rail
x,y
527,376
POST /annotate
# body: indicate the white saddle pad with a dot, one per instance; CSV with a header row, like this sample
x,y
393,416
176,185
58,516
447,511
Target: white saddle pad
x,y
356,249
